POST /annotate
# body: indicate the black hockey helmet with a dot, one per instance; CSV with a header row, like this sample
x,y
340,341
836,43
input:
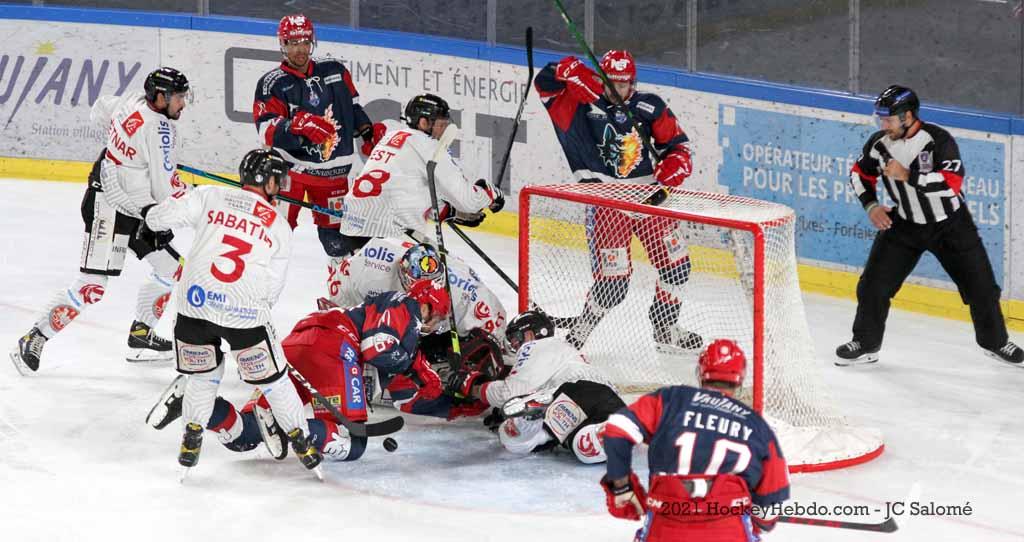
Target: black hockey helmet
x,y
166,81
259,165
429,106
896,100
532,320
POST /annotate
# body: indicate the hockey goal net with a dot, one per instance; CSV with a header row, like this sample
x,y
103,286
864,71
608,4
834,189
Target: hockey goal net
x,y
740,283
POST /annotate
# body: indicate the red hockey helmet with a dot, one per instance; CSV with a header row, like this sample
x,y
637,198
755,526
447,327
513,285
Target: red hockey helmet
x,y
295,27
433,294
619,66
722,361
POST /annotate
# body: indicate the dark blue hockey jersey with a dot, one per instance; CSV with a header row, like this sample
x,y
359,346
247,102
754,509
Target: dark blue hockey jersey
x,y
325,90
598,139
694,431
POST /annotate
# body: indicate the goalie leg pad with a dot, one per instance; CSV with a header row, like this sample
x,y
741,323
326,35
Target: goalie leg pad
x,y
106,237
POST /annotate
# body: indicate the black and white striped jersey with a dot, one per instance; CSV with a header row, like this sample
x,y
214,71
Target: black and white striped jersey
x,y
932,193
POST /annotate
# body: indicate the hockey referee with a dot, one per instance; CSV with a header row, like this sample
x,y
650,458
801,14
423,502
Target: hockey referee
x,y
919,165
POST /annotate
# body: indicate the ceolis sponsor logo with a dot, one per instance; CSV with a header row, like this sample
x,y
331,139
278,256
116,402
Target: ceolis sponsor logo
x,y
379,253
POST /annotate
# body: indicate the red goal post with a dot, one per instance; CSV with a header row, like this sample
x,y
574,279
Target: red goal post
x,y
741,284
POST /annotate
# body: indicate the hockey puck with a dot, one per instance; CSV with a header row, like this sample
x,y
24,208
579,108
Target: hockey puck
x,y
390,444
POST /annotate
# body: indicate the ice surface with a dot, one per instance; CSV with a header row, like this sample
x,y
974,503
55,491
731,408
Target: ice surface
x,y
78,463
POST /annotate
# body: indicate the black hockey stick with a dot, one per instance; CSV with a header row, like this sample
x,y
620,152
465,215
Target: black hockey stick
x,y
356,429
661,195
450,132
519,113
214,177
887,526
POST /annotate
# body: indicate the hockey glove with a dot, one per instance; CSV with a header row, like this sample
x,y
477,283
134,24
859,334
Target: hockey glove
x,y
674,168
426,378
461,383
628,501
312,127
493,192
371,135
493,420
580,81
159,240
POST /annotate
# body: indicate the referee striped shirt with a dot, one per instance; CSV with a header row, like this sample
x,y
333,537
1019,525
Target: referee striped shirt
x,y
932,192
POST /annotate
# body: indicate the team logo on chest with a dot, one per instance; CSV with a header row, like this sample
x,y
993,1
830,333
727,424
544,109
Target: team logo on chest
x,y
622,153
315,89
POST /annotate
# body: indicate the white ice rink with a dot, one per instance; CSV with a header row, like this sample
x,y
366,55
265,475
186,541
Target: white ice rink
x,y
78,463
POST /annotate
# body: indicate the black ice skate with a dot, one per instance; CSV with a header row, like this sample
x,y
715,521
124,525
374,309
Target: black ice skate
x,y
145,345
168,407
582,326
530,407
1010,353
274,437
672,340
30,347
191,444
854,353
306,452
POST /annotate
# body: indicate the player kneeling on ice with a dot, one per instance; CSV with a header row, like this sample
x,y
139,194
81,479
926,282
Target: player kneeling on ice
x,y
338,350
552,397
135,169
392,193
233,277
710,457
377,267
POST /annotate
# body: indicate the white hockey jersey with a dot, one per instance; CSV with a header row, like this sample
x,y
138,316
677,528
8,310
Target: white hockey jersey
x,y
391,192
139,167
543,365
236,268
375,269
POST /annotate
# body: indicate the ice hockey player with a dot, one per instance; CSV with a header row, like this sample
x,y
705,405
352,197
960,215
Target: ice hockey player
x,y
233,276
135,169
347,355
552,397
710,457
309,111
385,264
391,193
601,145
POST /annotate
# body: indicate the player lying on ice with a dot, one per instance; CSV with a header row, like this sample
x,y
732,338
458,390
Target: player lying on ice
x,y
552,397
710,456
332,349
385,264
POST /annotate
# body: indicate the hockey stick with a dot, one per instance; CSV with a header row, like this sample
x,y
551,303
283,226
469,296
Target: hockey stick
x,y
449,135
213,177
887,526
356,429
661,195
519,113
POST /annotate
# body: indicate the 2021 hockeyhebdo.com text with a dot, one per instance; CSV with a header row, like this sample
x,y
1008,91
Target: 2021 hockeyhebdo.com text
x,y
813,509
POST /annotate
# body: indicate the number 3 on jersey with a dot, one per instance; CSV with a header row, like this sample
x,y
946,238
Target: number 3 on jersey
x,y
370,184
241,248
688,441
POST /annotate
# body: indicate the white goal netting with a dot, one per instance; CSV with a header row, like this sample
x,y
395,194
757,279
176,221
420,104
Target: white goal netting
x,y
700,264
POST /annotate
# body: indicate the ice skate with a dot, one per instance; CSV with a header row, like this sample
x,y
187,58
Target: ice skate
x,y
274,438
145,345
191,444
168,407
306,452
531,406
1010,353
30,348
676,340
854,353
